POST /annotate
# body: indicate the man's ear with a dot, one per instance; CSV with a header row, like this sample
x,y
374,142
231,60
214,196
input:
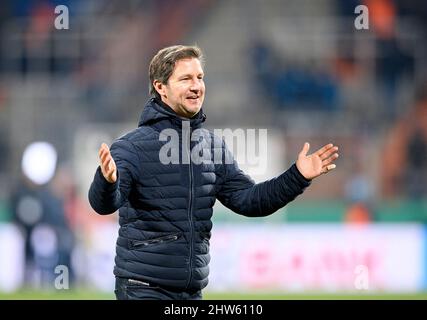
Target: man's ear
x,y
160,87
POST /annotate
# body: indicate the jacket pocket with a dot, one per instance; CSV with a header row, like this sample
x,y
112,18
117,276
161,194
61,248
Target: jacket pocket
x,y
154,241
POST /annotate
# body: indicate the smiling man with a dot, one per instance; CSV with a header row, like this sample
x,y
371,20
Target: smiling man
x,y
165,210
184,89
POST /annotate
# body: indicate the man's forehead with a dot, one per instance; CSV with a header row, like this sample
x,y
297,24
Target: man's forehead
x,y
188,65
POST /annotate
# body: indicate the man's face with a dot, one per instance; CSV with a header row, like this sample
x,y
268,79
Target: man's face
x,y
185,90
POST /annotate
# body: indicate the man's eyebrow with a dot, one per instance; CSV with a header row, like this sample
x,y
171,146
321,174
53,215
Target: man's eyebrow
x,y
190,75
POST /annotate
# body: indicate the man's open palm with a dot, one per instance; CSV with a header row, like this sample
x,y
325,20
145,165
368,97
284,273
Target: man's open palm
x,y
317,163
108,166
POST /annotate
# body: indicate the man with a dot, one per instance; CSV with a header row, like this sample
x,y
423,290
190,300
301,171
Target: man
x,y
165,208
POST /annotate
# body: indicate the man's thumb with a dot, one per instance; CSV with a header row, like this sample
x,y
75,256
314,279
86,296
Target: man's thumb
x,y
305,149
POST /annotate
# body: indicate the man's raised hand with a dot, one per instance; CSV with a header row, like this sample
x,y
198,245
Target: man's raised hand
x,y
317,163
108,166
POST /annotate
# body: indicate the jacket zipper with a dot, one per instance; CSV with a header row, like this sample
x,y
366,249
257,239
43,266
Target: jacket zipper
x,y
168,238
190,213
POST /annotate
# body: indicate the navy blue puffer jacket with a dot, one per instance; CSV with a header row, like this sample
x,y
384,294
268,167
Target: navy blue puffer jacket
x,y
165,210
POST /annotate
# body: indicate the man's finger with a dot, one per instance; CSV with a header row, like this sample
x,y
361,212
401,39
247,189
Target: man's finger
x,y
324,149
328,153
111,170
305,149
105,163
103,148
103,155
111,164
329,168
330,159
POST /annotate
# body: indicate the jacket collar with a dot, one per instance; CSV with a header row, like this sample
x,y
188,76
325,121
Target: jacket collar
x,y
159,114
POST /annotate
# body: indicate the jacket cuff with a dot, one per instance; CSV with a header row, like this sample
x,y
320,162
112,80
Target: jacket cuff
x,y
301,179
103,183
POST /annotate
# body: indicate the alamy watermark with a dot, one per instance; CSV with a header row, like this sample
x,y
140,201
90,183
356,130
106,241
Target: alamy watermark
x,y
62,281
361,282
362,20
207,147
62,20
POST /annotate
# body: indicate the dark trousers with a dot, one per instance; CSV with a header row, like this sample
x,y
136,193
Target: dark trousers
x,y
130,289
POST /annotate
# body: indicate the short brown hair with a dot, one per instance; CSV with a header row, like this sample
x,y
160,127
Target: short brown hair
x,y
163,63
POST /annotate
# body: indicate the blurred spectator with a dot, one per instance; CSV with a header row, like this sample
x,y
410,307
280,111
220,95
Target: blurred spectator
x,y
359,189
358,213
404,162
393,64
394,61
290,85
48,239
39,214
416,10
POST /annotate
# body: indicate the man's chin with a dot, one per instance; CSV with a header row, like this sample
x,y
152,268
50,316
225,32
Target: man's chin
x,y
192,110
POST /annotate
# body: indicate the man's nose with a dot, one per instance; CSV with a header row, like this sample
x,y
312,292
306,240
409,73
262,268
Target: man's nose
x,y
195,87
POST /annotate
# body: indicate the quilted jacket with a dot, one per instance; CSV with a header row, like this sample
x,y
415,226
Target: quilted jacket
x,y
165,209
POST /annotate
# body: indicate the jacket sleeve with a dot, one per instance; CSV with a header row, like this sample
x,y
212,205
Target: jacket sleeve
x,y
105,197
241,194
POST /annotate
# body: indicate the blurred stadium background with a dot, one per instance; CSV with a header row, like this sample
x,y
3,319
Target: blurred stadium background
x,y
298,68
